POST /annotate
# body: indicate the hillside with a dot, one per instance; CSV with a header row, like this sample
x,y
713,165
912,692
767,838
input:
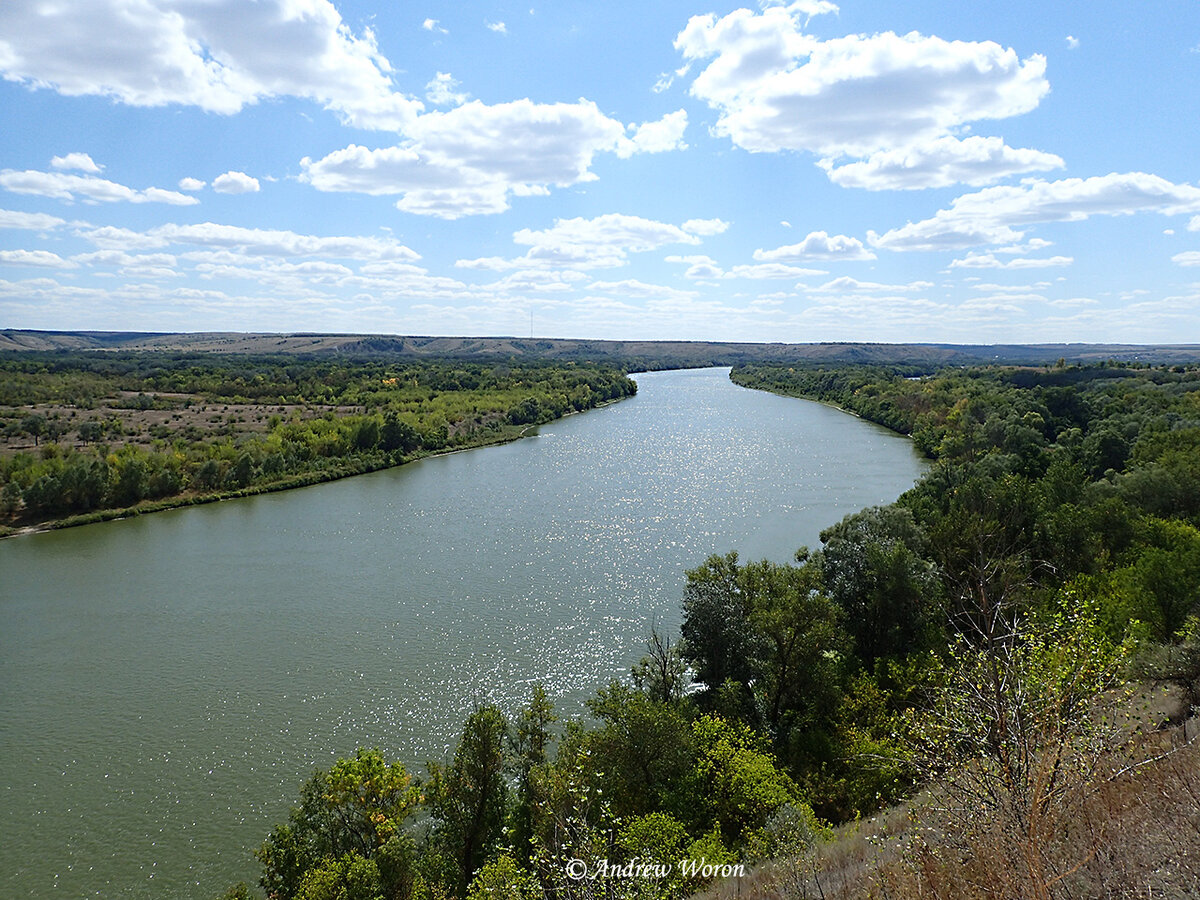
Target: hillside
x,y
645,354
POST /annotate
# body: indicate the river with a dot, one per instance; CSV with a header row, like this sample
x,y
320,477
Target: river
x,y
167,682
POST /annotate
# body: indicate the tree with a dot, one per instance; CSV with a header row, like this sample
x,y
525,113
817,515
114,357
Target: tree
x,y
875,571
660,674
531,745
718,639
1020,732
738,784
643,748
398,435
467,799
355,811
34,426
802,646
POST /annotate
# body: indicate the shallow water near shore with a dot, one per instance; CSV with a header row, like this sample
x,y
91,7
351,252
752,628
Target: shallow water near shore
x,y
166,682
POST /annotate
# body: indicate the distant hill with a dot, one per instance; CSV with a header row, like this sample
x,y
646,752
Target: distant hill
x,y
636,354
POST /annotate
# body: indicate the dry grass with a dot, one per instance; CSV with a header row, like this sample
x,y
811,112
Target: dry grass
x,y
1134,837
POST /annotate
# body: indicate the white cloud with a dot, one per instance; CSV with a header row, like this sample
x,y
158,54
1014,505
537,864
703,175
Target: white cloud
x,y
633,288
88,188
441,91
656,137
1188,258
705,227
473,159
1072,42
989,261
992,215
121,258
603,242
432,25
818,245
586,242
42,259
191,184
940,162
772,270
777,88
252,241
704,268
219,55
700,268
10,218
498,27
235,183
78,161
847,285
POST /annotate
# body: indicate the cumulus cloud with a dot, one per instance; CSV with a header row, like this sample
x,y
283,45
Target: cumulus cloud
x,y
252,241
191,184
235,183
442,91
777,88
473,159
1072,42
847,285
498,27
78,161
705,227
603,242
989,261
1188,258
818,245
764,271
220,55
42,259
11,218
705,268
87,188
941,162
656,137
633,288
993,215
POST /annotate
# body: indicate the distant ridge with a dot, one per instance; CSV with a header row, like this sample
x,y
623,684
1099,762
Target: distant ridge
x,y
650,354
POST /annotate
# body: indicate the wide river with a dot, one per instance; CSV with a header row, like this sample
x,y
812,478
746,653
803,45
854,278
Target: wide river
x,y
167,682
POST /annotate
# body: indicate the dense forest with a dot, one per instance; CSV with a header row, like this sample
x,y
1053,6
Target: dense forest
x,y
1003,652
87,435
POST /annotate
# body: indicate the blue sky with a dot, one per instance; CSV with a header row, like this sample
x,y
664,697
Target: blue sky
x,y
877,171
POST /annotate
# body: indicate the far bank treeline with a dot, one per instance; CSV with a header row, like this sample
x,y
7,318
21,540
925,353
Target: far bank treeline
x,y
970,636
88,432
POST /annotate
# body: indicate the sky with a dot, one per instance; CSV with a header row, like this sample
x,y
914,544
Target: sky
x,y
672,170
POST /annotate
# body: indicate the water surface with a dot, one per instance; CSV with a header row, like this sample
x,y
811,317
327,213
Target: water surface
x,y
167,682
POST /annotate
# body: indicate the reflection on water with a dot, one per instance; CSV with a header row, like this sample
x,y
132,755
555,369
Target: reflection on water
x,y
167,682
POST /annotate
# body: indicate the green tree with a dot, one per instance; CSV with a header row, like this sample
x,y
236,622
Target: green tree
x,y
644,749
467,799
355,811
718,639
531,742
738,785
875,571
34,426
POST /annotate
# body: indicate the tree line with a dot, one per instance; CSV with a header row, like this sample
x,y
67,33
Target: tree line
x,y
279,422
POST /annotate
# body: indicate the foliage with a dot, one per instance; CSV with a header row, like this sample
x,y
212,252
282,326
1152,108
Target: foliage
x,y
268,422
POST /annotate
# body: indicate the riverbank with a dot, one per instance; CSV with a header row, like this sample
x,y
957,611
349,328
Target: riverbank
x,y
86,439
349,470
